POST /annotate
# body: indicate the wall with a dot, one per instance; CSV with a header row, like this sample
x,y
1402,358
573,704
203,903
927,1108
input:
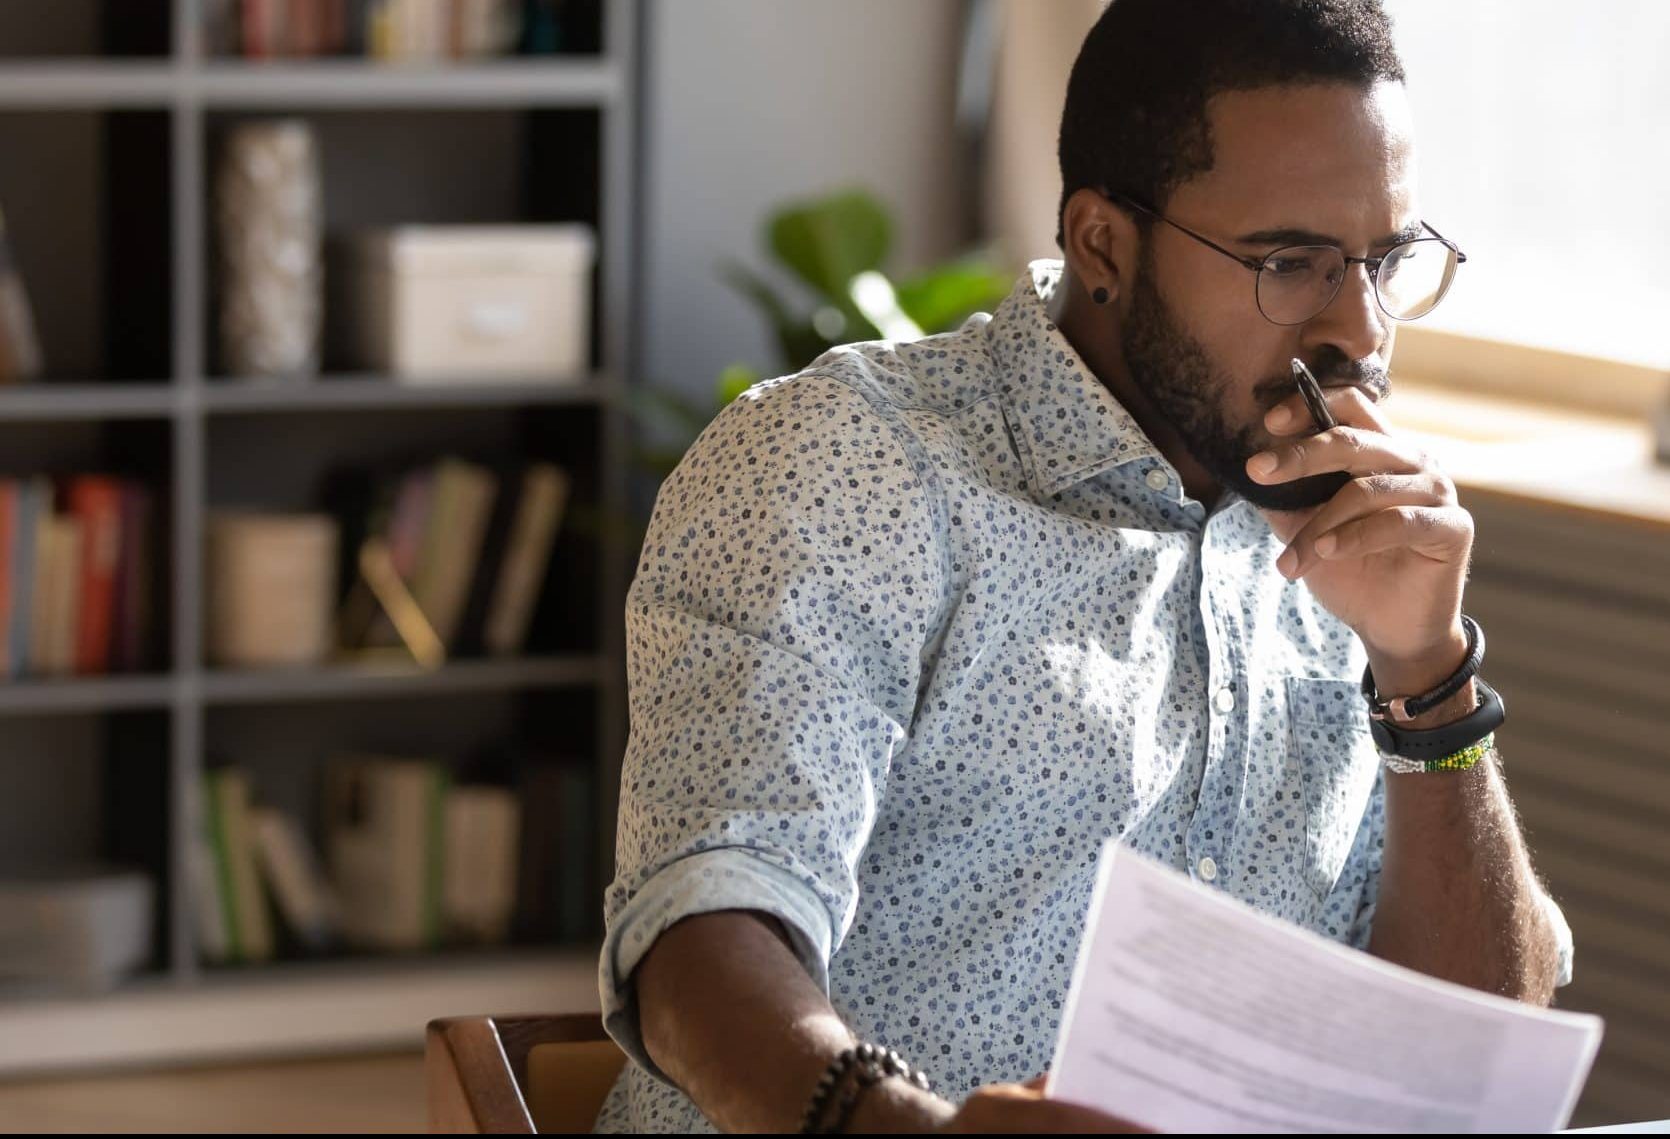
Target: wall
x,y
750,102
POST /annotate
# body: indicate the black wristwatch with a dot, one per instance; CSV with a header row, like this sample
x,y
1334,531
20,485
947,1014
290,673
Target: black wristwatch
x,y
1435,743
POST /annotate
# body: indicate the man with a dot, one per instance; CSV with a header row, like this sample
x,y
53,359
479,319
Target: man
x,y
915,630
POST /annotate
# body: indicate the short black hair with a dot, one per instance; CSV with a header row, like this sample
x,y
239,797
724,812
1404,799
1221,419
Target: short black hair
x,y
1135,116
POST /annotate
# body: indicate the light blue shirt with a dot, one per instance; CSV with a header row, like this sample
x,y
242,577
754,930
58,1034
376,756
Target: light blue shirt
x,y
914,631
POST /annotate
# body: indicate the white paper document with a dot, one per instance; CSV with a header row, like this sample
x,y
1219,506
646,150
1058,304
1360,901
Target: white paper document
x,y
1190,1011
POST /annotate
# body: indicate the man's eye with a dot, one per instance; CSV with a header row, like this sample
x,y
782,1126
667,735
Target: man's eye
x,y
1290,266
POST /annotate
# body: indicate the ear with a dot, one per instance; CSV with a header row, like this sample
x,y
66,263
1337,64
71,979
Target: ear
x,y
1101,243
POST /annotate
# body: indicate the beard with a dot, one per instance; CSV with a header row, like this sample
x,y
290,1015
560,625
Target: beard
x,y
1172,369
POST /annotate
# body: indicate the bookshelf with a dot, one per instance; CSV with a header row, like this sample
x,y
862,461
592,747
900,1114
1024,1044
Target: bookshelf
x,y
110,111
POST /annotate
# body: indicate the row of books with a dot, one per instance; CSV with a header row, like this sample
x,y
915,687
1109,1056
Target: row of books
x,y
394,30
409,861
75,558
470,544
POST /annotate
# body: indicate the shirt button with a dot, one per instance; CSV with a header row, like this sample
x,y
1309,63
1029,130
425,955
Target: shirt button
x,y
1157,479
1224,701
1208,869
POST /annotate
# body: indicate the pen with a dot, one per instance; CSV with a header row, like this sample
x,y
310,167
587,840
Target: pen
x,y
1312,391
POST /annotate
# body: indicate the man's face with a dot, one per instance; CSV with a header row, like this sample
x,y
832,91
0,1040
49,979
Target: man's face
x,y
1314,165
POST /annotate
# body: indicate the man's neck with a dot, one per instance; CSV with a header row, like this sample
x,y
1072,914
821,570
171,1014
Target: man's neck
x,y
1093,331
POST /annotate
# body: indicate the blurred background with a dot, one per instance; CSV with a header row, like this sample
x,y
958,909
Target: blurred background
x,y
343,344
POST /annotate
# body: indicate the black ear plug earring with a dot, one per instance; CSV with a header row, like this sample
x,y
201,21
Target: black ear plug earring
x,y
1100,296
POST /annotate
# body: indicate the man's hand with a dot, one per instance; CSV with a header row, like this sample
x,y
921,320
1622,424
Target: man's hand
x,y
1023,1108
894,1107
1388,554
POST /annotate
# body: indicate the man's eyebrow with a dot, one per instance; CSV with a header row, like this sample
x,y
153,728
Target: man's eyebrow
x,y
1292,236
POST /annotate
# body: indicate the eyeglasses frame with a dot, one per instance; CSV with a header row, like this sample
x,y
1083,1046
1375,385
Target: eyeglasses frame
x,y
1257,264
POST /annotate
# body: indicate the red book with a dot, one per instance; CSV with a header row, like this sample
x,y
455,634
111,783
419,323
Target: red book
x,y
8,526
254,26
133,610
97,502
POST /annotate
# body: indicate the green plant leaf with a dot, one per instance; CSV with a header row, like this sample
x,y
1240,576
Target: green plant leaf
x,y
735,380
651,405
941,299
828,241
757,289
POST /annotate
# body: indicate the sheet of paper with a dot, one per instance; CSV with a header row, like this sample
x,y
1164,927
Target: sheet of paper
x,y
1190,1011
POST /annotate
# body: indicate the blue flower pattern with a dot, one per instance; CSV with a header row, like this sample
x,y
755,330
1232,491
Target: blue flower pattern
x,y
912,632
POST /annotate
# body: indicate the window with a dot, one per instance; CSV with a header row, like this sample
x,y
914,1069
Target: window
x,y
1540,127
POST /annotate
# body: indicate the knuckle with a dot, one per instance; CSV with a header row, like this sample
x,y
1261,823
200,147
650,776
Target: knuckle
x,y
1370,487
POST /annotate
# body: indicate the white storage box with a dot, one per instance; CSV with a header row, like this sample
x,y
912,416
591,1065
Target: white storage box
x,y
472,302
81,928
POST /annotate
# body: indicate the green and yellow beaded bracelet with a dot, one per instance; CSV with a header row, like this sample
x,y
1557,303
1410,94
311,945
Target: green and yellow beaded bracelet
x,y
1464,760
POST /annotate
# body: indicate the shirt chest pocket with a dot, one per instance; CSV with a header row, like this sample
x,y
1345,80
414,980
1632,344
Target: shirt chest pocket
x,y
1336,764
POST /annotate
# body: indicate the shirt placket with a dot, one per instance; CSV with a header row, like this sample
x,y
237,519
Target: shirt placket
x,y
1210,830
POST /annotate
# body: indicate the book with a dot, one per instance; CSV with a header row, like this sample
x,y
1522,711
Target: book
x,y
220,27
216,936
20,345
408,522
479,890
69,537
237,873
402,517
304,32
131,604
471,639
96,502
34,496
462,501
300,890
384,835
252,28
54,601
527,556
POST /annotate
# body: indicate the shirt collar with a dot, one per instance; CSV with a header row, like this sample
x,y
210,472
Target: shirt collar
x,y
1067,424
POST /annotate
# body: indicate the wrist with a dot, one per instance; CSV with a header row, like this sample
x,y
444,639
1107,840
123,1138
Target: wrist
x,y
1457,707
895,1106
1414,674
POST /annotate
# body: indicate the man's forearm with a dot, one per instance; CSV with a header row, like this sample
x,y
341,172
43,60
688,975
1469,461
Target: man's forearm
x,y
729,1014
1458,897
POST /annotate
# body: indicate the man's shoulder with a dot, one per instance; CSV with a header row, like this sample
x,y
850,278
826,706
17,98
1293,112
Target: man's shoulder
x,y
940,374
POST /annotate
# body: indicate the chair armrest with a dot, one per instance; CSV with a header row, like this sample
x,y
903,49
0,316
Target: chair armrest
x,y
468,1080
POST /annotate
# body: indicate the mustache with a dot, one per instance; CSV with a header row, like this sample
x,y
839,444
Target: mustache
x,y
1332,370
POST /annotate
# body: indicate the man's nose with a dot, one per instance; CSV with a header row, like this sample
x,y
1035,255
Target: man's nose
x,y
1353,322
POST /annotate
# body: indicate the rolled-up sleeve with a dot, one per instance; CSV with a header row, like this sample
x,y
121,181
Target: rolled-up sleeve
x,y
789,581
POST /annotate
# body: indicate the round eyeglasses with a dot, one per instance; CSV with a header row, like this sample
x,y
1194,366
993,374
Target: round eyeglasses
x,y
1297,282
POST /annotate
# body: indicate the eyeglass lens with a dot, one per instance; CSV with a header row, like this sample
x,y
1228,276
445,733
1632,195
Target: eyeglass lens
x,y
1297,283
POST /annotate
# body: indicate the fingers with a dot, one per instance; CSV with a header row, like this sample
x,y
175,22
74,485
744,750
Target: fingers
x,y
1350,407
1022,1108
1357,499
1440,533
1351,449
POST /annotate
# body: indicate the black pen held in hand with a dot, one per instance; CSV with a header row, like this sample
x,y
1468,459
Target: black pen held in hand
x,y
1312,391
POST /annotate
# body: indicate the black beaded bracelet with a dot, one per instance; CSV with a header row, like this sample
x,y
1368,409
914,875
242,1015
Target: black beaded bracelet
x,y
870,1064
